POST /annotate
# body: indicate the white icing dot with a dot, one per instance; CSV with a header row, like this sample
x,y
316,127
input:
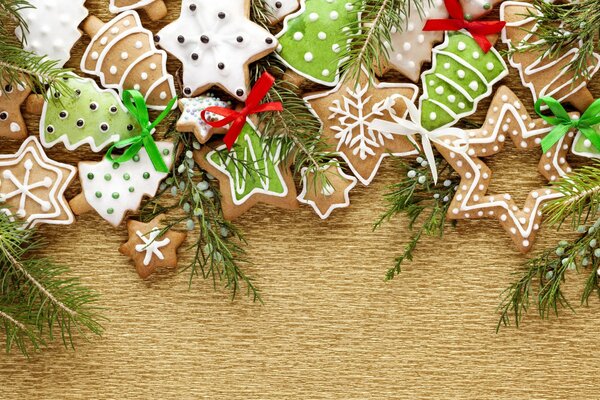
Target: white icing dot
x,y
335,48
144,76
163,95
114,30
474,85
124,55
452,98
503,217
14,127
406,46
126,23
421,38
446,65
410,27
504,98
113,70
476,55
334,15
153,66
313,17
325,72
308,56
433,116
461,46
525,243
95,55
489,66
460,73
104,40
298,36
461,105
136,86
349,6
139,44
439,90
587,143
322,35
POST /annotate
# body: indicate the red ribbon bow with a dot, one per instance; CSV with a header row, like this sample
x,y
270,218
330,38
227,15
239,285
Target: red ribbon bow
x,y
238,118
478,29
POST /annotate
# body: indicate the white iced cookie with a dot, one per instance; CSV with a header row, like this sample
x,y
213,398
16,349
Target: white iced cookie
x,y
281,8
52,27
216,41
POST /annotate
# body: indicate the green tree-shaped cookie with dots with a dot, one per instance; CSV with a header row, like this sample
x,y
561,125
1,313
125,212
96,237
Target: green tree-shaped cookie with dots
x,y
461,75
90,116
314,40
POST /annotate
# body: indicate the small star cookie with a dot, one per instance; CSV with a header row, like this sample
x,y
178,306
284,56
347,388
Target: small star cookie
x,y
215,41
506,117
32,186
347,112
325,197
12,125
191,119
252,172
150,248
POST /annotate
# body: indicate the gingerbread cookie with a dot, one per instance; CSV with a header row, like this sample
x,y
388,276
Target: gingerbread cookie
x,y
506,117
216,41
12,125
191,119
346,113
113,188
93,116
251,173
151,248
281,8
325,196
123,55
314,39
155,9
52,27
460,76
32,186
542,74
409,46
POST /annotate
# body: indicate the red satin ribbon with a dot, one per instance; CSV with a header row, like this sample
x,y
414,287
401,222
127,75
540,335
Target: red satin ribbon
x,y
478,29
237,119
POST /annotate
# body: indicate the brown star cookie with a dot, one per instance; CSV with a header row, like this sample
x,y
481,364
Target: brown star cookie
x,y
323,196
150,248
12,125
506,117
346,113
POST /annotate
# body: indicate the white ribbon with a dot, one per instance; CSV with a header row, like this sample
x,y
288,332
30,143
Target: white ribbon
x,y
458,139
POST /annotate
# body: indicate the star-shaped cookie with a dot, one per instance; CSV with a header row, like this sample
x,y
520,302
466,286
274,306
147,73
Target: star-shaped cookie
x,y
191,119
323,196
32,186
150,248
215,41
506,117
252,172
346,113
12,125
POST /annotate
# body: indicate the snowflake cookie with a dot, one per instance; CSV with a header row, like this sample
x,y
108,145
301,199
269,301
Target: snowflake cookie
x,y
215,41
346,113
52,27
252,172
12,125
191,119
151,248
32,186
325,196
506,117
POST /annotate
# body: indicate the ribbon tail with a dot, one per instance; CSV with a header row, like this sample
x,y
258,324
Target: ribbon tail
x,y
482,41
234,132
430,157
443,25
154,154
554,136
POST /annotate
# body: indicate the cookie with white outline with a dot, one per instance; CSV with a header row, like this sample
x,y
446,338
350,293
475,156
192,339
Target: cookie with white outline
x,y
150,248
191,116
281,8
12,124
252,172
326,196
154,9
506,118
32,186
346,113
215,41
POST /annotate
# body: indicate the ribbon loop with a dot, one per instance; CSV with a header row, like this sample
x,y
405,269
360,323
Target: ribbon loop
x,y
136,105
478,29
563,122
458,139
237,119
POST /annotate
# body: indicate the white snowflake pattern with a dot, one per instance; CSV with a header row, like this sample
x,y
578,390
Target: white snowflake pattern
x,y
25,188
354,128
151,245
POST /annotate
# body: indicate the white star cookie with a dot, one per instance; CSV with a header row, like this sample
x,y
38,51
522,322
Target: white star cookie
x,y
216,41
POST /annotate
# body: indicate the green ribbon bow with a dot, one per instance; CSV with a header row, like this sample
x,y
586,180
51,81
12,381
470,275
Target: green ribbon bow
x,y
563,123
135,103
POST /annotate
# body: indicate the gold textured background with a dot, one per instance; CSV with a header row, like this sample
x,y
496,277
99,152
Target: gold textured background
x,y
330,327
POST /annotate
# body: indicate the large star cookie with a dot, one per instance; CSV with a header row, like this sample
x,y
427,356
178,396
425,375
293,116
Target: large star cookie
x,y
252,172
325,196
32,186
191,118
12,125
506,117
150,248
346,113
215,41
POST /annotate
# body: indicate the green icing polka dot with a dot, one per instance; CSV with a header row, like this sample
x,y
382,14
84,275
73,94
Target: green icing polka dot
x,y
146,175
98,194
314,42
131,189
126,176
110,210
91,116
115,195
90,176
107,177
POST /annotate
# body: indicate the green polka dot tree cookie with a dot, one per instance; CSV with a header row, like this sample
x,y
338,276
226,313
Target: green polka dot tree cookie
x,y
313,40
112,189
461,75
91,116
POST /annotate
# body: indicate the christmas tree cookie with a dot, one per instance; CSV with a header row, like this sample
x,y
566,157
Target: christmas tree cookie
x,y
52,27
252,172
315,39
93,116
461,75
155,9
12,124
112,188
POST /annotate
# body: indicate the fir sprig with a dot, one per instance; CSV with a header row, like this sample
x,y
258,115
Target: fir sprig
x,y
36,295
422,201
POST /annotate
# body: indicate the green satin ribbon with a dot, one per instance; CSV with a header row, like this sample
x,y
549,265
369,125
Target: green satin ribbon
x,y
135,103
563,123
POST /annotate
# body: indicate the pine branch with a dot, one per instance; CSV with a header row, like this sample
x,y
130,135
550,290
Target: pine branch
x,y
10,15
415,196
